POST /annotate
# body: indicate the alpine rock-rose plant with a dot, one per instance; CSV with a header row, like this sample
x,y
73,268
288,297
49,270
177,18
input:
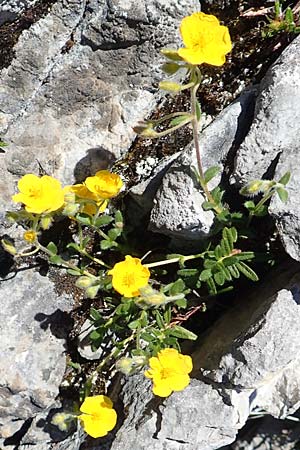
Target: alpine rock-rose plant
x,y
142,307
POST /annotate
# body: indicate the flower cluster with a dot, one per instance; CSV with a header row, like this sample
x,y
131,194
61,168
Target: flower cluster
x,y
42,195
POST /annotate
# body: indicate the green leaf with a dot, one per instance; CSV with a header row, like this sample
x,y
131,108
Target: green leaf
x,y
167,316
244,256
134,324
219,278
159,320
181,303
261,211
52,248
211,286
3,144
207,206
283,194
114,233
247,271
250,205
285,178
198,110
210,173
229,260
171,54
234,271
119,217
95,315
218,252
97,334
105,244
187,272
179,119
55,259
103,220
85,219
205,275
74,272
146,337
182,333
177,287
144,319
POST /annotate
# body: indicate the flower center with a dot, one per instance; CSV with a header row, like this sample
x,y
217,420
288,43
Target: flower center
x,y
129,279
166,372
35,192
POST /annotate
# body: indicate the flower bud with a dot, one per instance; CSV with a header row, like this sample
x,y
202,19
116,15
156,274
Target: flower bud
x,y
170,86
92,291
70,209
62,420
46,222
150,297
84,282
8,247
130,365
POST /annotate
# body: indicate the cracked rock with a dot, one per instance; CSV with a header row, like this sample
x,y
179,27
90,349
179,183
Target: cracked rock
x,y
248,362
271,147
81,78
177,206
12,9
34,323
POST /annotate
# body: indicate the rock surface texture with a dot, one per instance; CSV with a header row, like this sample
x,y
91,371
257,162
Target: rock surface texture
x,y
176,206
249,361
34,325
11,9
272,145
81,78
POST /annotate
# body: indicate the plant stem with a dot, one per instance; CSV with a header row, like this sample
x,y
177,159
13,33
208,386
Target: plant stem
x,y
174,260
194,90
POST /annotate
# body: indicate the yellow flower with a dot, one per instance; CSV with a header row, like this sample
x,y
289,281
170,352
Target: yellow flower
x,y
98,416
81,191
30,236
39,195
129,276
104,184
205,40
169,372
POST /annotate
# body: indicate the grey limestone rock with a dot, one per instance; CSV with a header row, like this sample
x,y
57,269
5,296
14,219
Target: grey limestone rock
x,y
256,346
196,418
11,9
81,79
248,362
34,323
271,147
177,209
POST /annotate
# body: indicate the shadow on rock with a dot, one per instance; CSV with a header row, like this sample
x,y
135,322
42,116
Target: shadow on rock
x,y
96,159
59,322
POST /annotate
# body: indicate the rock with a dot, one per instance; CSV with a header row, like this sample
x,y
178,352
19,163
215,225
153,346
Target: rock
x,y
248,362
11,9
272,145
81,78
269,434
177,210
34,323
166,423
256,346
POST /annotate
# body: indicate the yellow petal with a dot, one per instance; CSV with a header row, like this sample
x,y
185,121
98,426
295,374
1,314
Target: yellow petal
x,y
162,389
